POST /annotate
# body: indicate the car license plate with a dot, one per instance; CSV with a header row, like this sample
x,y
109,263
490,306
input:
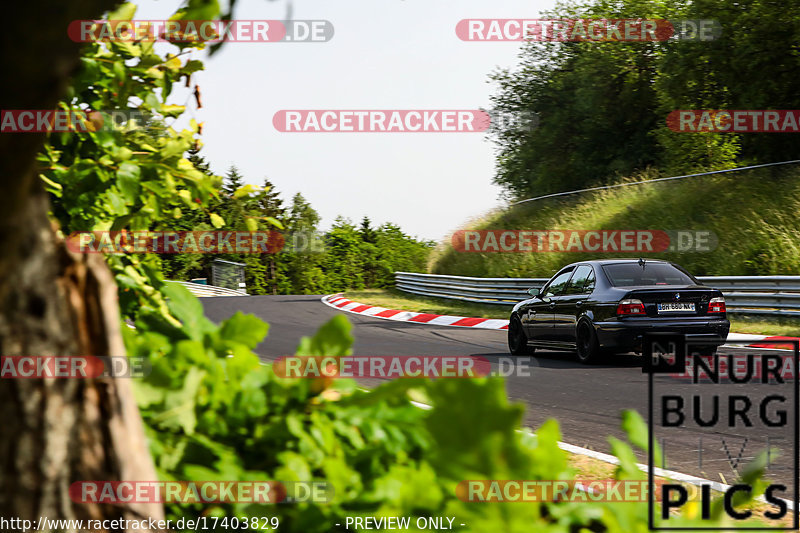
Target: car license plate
x,y
675,307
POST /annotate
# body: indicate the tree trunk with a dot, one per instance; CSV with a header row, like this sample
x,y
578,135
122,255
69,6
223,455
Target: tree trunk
x,y
54,302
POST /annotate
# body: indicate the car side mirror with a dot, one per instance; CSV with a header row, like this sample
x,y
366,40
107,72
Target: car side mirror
x,y
534,292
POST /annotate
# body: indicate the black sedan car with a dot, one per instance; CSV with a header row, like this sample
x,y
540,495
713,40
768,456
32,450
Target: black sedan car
x,y
604,307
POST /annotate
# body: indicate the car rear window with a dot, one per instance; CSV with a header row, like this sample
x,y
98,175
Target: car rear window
x,y
632,274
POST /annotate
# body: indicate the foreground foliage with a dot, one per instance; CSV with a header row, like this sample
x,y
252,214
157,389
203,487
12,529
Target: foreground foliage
x,y
215,412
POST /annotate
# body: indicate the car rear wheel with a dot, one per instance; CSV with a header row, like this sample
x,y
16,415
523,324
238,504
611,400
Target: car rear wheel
x,y
517,340
587,346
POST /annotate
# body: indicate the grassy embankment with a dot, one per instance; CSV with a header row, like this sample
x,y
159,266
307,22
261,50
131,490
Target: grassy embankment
x,y
754,214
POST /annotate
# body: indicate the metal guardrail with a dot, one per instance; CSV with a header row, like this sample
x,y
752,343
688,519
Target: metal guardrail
x,y
756,295
203,291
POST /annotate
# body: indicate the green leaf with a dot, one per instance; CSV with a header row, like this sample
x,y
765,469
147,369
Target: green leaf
x,y
251,224
332,339
244,190
635,428
180,405
128,181
117,204
477,411
216,220
172,110
172,148
192,66
119,71
123,154
124,12
174,63
246,329
187,308
151,101
198,10
274,221
627,468
295,467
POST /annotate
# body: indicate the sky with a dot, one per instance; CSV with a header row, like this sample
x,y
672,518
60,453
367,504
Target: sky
x,y
385,54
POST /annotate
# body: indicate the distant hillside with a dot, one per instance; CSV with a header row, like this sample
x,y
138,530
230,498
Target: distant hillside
x,y
754,214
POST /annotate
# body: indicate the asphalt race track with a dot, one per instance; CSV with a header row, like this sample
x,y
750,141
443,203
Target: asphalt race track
x,y
586,400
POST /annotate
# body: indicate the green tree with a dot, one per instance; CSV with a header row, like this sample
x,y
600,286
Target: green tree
x,y
302,263
270,202
366,230
270,206
399,252
750,65
344,260
594,105
233,181
302,217
602,106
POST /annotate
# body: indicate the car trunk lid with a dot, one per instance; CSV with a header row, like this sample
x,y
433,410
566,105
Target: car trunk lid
x,y
671,301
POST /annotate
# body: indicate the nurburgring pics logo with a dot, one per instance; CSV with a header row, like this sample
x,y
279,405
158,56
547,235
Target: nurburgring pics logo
x,y
207,31
624,241
730,408
734,120
587,30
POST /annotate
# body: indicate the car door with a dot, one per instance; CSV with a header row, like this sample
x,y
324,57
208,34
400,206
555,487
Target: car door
x,y
540,313
569,304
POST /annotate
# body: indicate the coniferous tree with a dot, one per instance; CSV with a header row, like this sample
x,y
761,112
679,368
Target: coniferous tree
x,y
233,181
366,230
270,202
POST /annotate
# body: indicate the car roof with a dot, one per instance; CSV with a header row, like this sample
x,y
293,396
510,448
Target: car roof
x,y
621,261
602,262
618,261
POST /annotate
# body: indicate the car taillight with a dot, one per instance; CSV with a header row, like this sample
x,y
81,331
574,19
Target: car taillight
x,y
630,308
716,305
